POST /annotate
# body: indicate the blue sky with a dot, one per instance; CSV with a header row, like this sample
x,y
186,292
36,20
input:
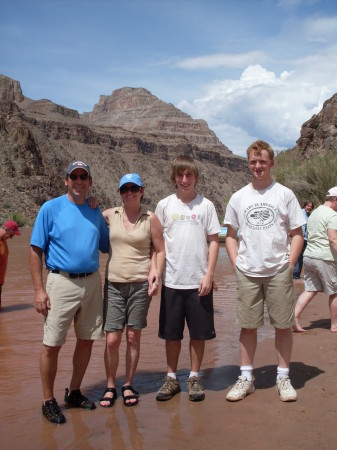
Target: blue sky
x,y
252,69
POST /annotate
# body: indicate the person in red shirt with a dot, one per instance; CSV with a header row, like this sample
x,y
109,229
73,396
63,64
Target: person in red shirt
x,y
7,231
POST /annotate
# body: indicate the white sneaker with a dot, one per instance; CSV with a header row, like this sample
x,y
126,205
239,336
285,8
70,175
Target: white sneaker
x,y
285,389
241,389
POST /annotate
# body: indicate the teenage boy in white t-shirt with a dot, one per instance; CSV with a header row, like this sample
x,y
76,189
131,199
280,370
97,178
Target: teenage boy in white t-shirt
x,y
190,223
266,214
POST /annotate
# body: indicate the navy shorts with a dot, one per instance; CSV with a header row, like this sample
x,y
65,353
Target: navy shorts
x,y
179,304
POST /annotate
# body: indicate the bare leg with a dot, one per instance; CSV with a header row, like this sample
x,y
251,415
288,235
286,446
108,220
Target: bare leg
x,y
48,369
302,302
197,348
333,312
172,355
248,343
111,360
132,358
283,345
81,359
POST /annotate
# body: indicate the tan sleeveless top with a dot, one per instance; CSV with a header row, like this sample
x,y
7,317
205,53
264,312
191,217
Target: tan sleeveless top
x,y
129,255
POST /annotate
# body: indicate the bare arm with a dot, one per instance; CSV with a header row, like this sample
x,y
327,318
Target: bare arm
x,y
42,302
206,283
157,254
232,245
295,246
332,235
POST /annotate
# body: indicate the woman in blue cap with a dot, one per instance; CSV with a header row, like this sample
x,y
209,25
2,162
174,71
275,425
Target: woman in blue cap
x,y
129,282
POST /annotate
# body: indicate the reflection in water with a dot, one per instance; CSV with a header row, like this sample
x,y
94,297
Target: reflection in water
x,y
145,426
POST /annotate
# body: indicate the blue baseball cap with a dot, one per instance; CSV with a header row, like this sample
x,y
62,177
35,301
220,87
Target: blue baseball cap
x,y
131,178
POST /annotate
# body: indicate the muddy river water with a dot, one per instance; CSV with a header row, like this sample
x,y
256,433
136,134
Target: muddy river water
x,y
177,423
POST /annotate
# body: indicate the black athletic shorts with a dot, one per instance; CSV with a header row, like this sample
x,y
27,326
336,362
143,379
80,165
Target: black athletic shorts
x,y
179,304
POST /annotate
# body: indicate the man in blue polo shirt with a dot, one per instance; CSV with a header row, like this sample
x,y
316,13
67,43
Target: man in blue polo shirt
x,y
70,234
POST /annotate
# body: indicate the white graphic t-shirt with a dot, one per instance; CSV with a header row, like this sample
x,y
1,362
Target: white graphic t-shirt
x,y
186,227
264,219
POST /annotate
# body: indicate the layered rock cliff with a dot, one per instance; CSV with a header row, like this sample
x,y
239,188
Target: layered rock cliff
x,y
39,138
136,109
319,134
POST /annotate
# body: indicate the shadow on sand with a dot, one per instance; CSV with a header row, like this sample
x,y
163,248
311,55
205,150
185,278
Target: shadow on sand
x,y
215,379
17,307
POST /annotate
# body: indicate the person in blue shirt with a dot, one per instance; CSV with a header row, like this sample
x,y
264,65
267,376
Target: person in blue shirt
x,y
306,210
70,234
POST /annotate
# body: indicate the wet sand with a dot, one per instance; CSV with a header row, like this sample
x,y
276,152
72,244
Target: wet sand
x,y
261,421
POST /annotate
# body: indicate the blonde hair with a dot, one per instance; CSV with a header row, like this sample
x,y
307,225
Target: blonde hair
x,y
258,146
182,163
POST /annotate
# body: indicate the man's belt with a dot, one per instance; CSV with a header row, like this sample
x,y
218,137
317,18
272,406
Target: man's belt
x,y
72,275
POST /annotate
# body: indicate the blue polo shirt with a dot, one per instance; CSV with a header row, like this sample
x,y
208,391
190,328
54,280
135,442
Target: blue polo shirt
x,y
70,235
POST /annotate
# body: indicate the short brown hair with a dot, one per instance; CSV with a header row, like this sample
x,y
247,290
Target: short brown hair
x,y
258,146
182,163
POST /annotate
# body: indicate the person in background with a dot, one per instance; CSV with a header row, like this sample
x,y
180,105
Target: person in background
x,y
70,234
267,215
7,231
306,210
129,283
320,259
190,223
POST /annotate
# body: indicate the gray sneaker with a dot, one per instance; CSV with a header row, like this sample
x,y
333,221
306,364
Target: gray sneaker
x,y
285,389
195,389
168,389
241,389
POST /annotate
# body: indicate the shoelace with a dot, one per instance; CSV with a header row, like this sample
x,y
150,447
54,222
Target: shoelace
x,y
53,409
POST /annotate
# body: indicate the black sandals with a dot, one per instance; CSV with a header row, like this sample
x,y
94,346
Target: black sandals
x,y
111,400
127,398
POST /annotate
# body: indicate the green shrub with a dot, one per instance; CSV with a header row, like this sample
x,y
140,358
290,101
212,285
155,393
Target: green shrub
x,y
308,179
19,219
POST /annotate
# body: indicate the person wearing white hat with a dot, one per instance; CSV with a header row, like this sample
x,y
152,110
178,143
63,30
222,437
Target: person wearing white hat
x,y
320,259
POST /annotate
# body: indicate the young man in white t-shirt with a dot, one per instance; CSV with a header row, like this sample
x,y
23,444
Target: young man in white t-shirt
x,y
266,214
190,223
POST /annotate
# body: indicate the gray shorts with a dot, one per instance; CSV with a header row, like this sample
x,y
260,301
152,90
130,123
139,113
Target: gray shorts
x,y
125,304
276,292
320,276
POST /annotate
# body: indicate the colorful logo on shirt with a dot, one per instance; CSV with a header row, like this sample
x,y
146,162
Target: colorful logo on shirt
x,y
182,218
261,216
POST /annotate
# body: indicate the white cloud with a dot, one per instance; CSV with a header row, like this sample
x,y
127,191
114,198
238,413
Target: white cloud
x,y
261,104
223,60
294,3
320,29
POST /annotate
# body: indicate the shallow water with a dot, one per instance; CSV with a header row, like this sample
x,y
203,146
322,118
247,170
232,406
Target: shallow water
x,y
146,426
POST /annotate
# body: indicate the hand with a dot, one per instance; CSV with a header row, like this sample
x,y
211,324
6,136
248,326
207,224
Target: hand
x,y
153,280
92,202
42,303
205,285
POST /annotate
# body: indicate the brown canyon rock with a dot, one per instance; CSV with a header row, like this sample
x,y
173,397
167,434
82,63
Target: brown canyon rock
x,y
129,131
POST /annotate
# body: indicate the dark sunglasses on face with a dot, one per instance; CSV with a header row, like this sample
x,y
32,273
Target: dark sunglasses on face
x,y
133,189
82,176
9,230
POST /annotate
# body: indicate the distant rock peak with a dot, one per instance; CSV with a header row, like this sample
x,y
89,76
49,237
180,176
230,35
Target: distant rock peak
x,y
136,109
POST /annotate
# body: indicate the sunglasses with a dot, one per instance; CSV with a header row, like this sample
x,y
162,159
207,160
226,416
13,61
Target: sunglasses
x,y
82,176
9,230
133,189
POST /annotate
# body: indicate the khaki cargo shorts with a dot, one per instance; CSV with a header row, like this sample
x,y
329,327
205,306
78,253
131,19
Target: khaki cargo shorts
x,y
276,292
73,299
